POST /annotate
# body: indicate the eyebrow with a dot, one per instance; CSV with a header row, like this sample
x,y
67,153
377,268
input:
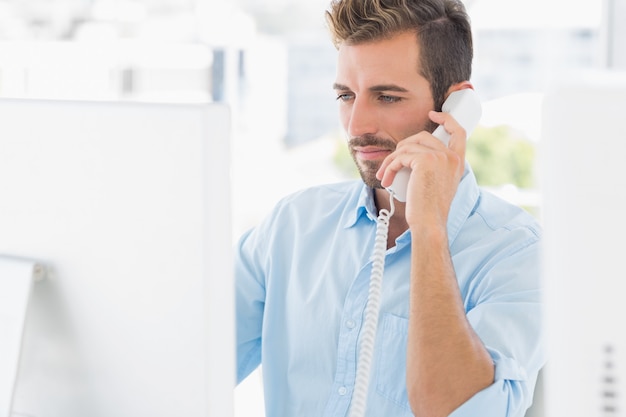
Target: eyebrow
x,y
375,88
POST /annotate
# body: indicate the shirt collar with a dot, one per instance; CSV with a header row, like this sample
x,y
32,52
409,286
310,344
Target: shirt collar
x,y
364,206
463,204
462,207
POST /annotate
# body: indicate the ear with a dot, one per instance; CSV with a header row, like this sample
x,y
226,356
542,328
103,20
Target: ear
x,y
459,86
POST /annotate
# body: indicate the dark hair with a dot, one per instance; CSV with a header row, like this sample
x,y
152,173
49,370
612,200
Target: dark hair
x,y
442,27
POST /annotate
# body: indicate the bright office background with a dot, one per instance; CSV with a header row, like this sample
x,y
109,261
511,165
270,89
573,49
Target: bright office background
x,y
273,62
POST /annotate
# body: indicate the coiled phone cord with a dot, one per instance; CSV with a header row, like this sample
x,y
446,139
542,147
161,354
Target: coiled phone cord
x,y
358,404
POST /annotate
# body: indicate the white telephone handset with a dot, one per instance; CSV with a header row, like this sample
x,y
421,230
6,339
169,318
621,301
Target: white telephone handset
x,y
464,105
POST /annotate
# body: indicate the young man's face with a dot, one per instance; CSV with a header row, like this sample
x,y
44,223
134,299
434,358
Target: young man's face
x,y
382,99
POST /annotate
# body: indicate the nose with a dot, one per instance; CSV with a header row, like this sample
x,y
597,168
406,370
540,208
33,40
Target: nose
x,y
361,119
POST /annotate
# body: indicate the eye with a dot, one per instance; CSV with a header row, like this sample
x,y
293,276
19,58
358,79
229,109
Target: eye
x,y
344,97
389,99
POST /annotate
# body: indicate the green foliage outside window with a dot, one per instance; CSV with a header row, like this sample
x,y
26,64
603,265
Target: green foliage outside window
x,y
342,159
498,156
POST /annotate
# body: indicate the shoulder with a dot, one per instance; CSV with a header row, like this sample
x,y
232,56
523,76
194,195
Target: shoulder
x,y
326,197
498,213
508,226
310,205
498,251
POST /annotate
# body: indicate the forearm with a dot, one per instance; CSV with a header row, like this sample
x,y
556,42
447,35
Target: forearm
x,y
446,361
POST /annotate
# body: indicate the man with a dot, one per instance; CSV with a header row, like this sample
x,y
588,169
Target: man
x,y
459,328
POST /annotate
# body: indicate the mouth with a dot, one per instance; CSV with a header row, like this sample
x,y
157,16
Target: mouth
x,y
371,153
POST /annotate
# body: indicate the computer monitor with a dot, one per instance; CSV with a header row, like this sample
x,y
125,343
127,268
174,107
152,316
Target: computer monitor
x,y
584,206
127,206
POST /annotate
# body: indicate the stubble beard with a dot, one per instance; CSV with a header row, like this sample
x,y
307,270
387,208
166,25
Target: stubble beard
x,y
367,169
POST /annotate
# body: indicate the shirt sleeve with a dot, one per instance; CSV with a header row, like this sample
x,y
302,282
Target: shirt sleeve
x,y
494,401
249,303
506,313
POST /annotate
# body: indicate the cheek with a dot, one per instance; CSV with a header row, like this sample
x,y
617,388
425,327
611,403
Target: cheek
x,y
408,124
344,116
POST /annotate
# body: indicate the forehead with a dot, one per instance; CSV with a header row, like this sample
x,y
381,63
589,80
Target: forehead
x,y
390,60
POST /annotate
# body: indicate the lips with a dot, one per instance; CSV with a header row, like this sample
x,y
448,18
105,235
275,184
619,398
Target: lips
x,y
370,153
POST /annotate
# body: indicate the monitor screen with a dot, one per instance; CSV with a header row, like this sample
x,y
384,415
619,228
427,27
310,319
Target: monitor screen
x,y
127,207
584,201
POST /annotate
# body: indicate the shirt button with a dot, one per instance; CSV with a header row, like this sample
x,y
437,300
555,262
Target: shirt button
x,y
350,324
342,391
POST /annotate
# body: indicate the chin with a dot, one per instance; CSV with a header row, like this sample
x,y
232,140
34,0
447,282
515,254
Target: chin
x,y
367,171
370,179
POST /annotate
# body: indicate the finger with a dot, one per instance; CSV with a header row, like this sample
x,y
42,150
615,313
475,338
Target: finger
x,y
383,166
408,145
437,116
406,150
458,142
458,135
388,174
423,140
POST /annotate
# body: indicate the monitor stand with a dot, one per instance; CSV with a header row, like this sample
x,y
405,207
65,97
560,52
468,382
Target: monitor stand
x,y
16,279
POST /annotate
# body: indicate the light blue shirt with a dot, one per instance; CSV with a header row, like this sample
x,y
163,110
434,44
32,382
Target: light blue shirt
x,y
302,281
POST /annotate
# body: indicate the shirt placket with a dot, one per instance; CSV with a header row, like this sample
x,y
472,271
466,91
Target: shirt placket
x,y
347,349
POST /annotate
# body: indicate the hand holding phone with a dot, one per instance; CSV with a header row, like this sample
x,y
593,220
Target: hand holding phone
x,y
464,105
